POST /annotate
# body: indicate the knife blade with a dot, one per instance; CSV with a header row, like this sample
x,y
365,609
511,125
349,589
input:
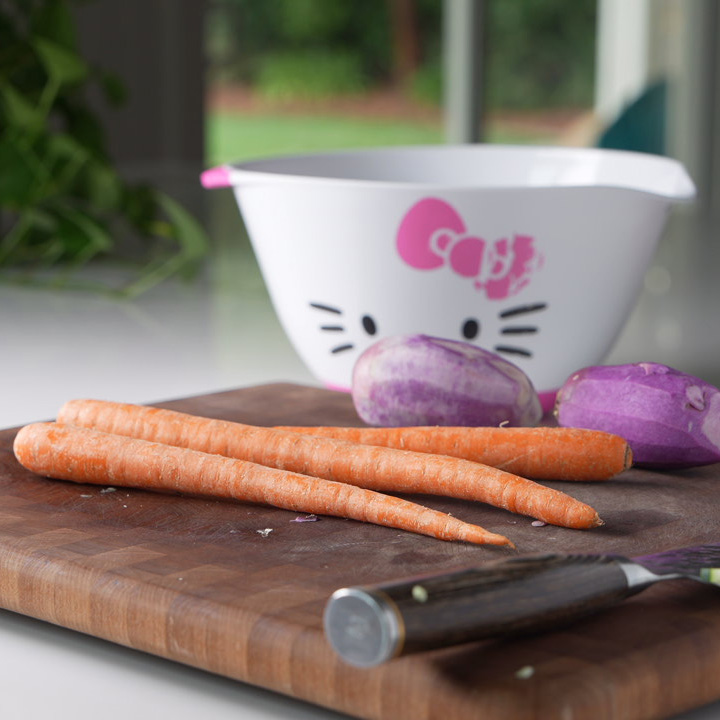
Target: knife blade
x,y
369,625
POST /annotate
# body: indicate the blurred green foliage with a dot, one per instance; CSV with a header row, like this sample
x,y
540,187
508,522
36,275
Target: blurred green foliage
x,y
539,53
244,35
310,75
62,202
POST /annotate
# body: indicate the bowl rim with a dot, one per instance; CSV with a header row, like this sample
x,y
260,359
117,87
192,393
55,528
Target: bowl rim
x,y
279,169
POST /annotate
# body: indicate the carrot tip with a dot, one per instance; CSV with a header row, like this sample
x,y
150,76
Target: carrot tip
x,y
499,540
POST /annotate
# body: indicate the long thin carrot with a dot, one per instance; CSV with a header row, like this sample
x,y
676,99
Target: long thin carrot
x,y
541,453
84,455
376,468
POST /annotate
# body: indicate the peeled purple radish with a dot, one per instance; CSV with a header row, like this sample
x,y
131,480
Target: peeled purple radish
x,y
421,380
669,419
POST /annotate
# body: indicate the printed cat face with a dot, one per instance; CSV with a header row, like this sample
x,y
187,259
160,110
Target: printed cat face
x,y
346,333
432,238
519,270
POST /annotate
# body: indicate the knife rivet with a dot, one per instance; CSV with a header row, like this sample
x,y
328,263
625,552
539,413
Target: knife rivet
x,y
525,672
419,594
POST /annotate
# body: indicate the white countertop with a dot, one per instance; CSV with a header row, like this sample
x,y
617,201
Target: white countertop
x,y
177,340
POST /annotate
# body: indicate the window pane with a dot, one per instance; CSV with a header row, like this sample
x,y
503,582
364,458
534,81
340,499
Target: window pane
x,y
294,76
302,75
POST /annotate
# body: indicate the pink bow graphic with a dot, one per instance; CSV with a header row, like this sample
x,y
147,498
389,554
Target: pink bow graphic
x,y
432,233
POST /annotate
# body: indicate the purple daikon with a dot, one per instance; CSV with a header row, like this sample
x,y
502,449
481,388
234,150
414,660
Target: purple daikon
x,y
422,380
669,419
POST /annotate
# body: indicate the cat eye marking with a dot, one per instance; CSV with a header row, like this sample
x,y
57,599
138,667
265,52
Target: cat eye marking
x,y
519,330
521,309
342,348
333,328
326,308
511,350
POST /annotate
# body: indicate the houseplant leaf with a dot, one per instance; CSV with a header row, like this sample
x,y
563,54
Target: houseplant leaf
x,y
53,20
19,111
84,236
192,243
63,66
19,175
62,200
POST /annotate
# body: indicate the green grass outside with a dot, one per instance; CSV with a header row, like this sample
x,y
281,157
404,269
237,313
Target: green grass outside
x,y
235,137
242,137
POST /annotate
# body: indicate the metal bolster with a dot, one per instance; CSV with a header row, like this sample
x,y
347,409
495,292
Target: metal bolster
x,y
639,577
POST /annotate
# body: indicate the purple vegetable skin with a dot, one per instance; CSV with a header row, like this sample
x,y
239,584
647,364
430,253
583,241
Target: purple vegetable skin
x,y
422,380
669,419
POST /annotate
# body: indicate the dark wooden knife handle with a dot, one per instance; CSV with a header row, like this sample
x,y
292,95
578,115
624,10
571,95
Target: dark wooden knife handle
x,y
369,625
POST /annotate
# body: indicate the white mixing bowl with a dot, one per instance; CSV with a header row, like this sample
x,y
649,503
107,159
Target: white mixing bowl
x,y
535,253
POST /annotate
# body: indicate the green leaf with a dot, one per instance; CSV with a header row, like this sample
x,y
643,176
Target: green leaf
x,y
189,233
65,157
85,125
53,20
62,145
102,187
82,235
14,238
42,220
62,65
20,113
193,243
50,252
115,91
18,176
140,207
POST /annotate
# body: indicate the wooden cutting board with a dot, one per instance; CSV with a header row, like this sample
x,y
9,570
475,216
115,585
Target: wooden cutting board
x,y
202,582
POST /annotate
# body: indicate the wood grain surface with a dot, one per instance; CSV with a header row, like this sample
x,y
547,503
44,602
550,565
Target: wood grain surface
x,y
204,583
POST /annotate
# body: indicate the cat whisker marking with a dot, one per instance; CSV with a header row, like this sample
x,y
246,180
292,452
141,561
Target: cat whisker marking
x,y
522,309
326,308
519,330
332,328
512,350
342,348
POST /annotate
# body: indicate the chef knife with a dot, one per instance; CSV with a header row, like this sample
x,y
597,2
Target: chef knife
x,y
369,625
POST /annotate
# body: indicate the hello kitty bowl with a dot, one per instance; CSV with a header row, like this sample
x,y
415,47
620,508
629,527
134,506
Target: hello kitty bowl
x,y
535,253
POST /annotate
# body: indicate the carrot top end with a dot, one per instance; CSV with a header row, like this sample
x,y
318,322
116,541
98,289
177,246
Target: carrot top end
x,y
628,457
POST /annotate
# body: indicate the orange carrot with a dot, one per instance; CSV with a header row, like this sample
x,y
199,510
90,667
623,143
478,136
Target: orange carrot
x,y
541,453
372,467
90,456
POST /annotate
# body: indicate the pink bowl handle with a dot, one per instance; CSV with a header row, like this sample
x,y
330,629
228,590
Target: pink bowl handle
x,y
217,177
